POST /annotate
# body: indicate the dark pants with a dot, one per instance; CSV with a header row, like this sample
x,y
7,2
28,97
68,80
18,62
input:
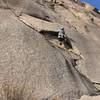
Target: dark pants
x,y
61,39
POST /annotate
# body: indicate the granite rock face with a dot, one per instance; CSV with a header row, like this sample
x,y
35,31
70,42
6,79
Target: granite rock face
x,y
31,67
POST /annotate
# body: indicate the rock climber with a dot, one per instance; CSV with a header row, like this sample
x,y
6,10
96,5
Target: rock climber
x,y
61,35
63,38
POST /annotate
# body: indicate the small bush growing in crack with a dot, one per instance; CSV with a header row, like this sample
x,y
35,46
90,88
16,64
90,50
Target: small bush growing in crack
x,y
8,92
